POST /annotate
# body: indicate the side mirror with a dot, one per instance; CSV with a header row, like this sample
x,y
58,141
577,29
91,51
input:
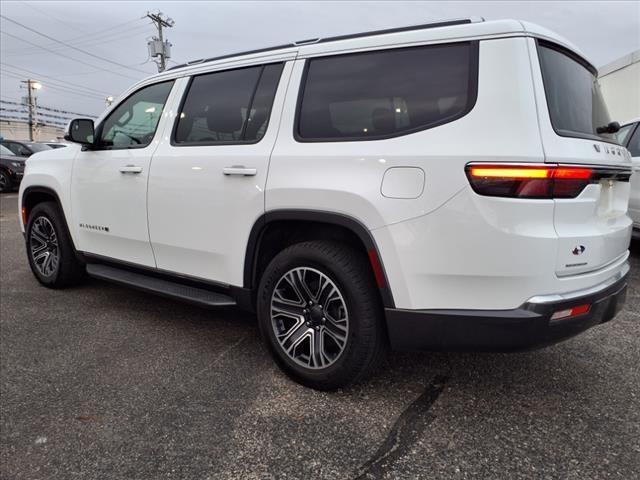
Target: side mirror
x,y
80,130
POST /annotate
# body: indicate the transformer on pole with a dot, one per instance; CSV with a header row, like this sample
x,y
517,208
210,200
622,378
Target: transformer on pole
x,y
158,46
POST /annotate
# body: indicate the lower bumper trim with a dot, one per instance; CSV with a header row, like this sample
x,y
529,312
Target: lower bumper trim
x,y
524,328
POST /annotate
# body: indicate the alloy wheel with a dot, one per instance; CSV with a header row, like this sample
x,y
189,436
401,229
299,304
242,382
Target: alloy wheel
x,y
43,244
309,318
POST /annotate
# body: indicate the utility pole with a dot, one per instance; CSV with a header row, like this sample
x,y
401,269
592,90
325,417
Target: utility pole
x,y
158,46
31,85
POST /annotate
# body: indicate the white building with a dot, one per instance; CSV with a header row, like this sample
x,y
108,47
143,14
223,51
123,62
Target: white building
x,y
620,82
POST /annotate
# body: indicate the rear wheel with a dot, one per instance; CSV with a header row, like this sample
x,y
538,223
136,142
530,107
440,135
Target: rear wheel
x,y
320,314
49,248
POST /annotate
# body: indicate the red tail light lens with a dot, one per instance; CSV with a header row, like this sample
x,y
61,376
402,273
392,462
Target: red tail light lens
x,y
524,181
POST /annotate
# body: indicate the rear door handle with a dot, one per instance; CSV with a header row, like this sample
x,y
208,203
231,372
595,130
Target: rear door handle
x,y
131,169
239,170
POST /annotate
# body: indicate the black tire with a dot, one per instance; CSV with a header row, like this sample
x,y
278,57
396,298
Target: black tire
x,y
68,270
6,185
349,271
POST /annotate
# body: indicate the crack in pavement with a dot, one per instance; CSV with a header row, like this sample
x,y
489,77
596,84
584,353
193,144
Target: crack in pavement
x,y
404,432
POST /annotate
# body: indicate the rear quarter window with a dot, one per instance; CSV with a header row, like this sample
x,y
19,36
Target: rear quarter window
x,y
387,93
575,102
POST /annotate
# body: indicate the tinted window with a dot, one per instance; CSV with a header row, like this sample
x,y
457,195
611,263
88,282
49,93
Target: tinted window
x,y
133,123
18,149
576,106
386,93
230,106
37,147
622,135
634,144
5,151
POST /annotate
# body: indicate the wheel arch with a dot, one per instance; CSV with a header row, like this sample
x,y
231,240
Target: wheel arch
x,y
302,225
33,195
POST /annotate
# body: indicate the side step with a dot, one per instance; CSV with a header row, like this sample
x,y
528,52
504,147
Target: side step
x,y
166,288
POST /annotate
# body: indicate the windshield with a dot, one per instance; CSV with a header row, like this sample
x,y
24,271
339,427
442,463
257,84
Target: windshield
x,y
5,151
575,102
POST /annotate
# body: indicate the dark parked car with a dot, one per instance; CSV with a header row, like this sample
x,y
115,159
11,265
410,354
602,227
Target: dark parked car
x,y
55,145
11,169
25,148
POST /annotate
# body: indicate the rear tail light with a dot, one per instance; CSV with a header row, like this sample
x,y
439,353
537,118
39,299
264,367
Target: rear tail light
x,y
571,312
528,181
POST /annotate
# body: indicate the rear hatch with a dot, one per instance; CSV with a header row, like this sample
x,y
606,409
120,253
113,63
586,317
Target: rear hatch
x,y
593,228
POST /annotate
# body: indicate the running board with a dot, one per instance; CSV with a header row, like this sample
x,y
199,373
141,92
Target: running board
x,y
158,286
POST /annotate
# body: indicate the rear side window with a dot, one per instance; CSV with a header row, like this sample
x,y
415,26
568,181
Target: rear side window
x,y
373,95
232,106
575,102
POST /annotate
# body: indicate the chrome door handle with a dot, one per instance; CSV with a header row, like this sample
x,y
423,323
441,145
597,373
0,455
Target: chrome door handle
x,y
131,169
239,170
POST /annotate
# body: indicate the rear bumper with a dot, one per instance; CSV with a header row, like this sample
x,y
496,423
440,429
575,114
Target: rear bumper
x,y
527,327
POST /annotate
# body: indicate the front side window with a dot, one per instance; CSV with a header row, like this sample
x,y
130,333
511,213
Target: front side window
x,y
387,93
575,102
133,123
231,106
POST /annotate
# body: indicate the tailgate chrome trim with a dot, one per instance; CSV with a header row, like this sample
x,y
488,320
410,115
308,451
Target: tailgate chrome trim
x,y
559,297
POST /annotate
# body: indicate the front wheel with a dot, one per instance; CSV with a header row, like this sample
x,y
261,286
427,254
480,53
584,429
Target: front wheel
x,y
52,257
320,313
6,185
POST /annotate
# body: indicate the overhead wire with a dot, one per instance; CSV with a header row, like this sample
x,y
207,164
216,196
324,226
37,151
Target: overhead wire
x,y
69,57
85,52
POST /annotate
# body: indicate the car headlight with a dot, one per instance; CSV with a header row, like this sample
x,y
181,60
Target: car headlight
x,y
16,164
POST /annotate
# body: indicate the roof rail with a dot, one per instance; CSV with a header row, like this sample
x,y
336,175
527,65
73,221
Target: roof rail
x,y
424,26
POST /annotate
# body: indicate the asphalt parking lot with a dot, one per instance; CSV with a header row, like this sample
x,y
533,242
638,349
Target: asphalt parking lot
x,y
104,382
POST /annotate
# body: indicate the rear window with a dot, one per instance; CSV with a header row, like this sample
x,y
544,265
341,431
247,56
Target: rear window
x,y
575,102
382,94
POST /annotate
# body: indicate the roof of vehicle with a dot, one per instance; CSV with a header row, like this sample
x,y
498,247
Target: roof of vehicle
x,y
436,32
446,29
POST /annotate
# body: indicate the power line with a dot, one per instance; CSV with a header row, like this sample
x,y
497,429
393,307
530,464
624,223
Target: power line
x,y
67,56
71,46
85,36
64,82
54,86
51,123
51,109
102,39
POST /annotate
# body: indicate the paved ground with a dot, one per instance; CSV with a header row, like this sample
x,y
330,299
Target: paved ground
x,y
104,382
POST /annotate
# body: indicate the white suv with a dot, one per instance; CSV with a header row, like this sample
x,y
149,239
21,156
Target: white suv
x,y
445,186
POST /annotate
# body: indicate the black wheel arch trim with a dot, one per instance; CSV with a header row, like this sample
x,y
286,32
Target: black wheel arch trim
x,y
50,191
318,216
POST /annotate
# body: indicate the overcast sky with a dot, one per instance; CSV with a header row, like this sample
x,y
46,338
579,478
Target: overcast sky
x,y
115,34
